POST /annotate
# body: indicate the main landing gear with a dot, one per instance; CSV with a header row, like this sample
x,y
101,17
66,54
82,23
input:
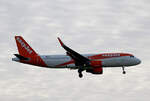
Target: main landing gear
x,y
80,73
124,72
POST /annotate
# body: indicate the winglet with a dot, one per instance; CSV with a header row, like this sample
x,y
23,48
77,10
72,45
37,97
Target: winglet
x,y
62,44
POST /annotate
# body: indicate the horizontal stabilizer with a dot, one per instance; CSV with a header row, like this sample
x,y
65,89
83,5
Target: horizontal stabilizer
x,y
21,57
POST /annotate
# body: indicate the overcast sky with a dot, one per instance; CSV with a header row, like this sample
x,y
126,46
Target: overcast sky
x,y
87,26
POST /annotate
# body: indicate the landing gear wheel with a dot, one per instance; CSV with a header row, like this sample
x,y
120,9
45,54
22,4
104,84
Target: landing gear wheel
x,y
80,75
124,72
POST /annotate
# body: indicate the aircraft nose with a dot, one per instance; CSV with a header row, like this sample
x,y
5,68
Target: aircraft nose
x,y
138,61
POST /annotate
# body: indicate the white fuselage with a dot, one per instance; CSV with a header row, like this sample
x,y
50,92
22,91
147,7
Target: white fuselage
x,y
54,60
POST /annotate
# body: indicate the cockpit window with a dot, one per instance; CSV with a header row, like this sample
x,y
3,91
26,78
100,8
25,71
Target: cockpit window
x,y
132,56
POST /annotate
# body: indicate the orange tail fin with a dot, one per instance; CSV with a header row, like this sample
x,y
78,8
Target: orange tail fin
x,y
23,47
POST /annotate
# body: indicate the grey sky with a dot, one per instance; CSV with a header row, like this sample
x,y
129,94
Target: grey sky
x,y
86,26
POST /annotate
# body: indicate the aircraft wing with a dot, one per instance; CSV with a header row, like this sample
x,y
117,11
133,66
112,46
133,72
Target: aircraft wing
x,y
79,59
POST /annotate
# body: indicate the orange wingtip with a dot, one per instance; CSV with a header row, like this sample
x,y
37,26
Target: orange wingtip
x,y
60,42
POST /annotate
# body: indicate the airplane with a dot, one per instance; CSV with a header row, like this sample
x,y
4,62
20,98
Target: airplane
x,y
91,63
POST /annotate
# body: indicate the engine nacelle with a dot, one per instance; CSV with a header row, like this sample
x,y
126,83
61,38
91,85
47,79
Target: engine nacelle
x,y
96,67
98,70
96,63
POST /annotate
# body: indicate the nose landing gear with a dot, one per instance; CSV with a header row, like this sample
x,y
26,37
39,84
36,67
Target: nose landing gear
x,y
124,72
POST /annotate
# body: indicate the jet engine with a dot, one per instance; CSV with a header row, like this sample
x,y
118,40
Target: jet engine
x,y
96,67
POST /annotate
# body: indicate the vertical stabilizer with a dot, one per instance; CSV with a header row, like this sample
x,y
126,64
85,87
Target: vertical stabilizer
x,y
23,47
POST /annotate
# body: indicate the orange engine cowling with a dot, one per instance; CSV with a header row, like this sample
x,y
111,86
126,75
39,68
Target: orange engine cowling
x,y
98,70
97,67
96,63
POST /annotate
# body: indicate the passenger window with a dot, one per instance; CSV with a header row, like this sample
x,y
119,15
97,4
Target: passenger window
x,y
132,56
